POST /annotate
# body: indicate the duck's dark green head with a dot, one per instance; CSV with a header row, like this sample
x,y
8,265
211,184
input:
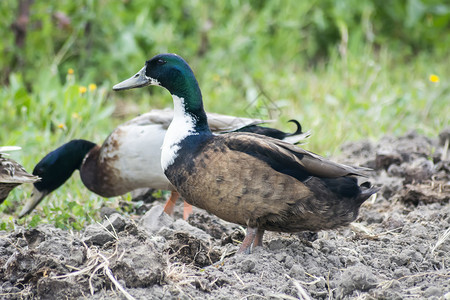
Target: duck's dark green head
x,y
55,168
167,70
173,73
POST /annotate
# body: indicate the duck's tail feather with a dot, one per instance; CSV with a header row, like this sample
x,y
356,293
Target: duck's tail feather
x,y
299,127
297,137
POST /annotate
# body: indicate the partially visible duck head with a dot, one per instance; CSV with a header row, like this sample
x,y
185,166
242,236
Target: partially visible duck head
x,y
55,168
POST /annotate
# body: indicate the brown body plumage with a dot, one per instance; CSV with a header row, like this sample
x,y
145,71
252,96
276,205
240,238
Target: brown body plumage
x,y
239,185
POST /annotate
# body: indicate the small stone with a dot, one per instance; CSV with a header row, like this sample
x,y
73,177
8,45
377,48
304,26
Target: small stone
x,y
296,271
276,244
351,260
289,262
386,240
401,272
357,277
248,266
400,259
418,231
96,235
394,221
422,248
387,157
374,217
115,220
155,219
51,288
432,291
419,170
280,257
166,233
412,254
334,260
324,246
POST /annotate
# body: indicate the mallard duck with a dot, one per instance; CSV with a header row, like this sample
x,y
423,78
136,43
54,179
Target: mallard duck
x,y
244,178
12,173
129,157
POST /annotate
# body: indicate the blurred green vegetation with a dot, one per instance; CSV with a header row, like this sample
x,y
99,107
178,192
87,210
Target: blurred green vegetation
x,y
347,70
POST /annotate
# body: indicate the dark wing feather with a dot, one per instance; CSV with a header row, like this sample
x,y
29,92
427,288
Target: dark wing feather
x,y
288,158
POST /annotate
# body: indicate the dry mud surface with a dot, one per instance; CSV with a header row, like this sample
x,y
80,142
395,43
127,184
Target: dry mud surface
x,y
398,248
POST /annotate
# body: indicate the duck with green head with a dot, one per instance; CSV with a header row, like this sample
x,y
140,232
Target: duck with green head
x,y
130,157
245,178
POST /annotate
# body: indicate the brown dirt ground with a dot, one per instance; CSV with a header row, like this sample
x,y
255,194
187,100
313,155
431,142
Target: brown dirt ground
x,y
396,249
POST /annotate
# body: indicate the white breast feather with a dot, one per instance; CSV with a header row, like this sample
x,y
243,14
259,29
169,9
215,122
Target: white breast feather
x,y
182,126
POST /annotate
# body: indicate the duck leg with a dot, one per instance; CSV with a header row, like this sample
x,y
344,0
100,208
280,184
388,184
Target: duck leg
x,y
187,210
258,242
170,204
246,245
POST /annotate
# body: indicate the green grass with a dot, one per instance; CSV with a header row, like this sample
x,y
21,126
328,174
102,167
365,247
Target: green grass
x,y
268,61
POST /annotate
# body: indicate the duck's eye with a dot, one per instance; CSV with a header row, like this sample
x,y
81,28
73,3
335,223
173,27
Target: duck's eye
x,y
160,61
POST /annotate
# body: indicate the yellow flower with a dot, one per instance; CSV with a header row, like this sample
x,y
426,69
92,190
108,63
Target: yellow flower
x,y
61,126
92,87
70,71
216,77
76,116
434,78
82,89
